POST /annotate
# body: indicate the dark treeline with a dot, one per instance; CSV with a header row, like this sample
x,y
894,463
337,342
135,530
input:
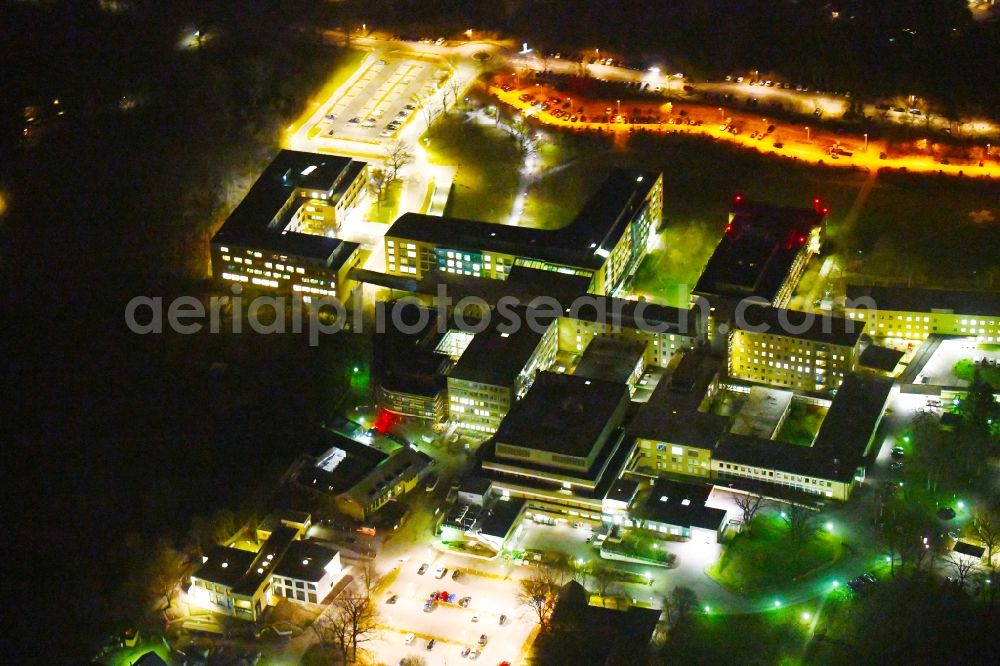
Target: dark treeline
x,y
924,47
114,441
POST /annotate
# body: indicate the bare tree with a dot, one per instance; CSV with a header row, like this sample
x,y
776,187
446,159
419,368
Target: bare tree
x,y
679,604
523,135
424,103
539,592
397,156
801,523
964,568
368,578
163,571
413,660
359,615
604,578
454,86
378,183
749,504
330,630
985,526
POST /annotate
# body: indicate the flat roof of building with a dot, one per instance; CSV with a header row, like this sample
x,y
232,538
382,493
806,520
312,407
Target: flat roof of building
x,y
260,218
610,359
341,462
820,328
623,490
225,566
583,243
404,356
562,414
305,560
761,413
496,356
969,549
881,358
757,250
913,299
499,519
241,570
671,414
603,473
474,485
682,504
608,636
404,463
839,446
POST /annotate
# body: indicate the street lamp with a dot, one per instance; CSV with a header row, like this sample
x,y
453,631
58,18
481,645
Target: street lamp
x,y
619,106
808,136
866,142
722,114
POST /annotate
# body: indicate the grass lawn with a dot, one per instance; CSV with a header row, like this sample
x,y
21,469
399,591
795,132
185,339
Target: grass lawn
x,y
767,556
764,638
944,228
965,369
486,162
388,209
802,423
908,222
668,274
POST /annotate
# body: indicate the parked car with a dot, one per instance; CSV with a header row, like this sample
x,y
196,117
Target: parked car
x,y
409,638
423,569
455,574
898,452
440,572
430,644
483,640
393,599
464,602
503,620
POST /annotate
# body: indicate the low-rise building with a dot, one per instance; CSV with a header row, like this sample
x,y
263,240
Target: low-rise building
x,y
613,360
410,365
562,445
307,573
362,479
605,242
497,368
282,235
914,314
790,349
678,510
243,583
675,431
762,255
396,476
831,467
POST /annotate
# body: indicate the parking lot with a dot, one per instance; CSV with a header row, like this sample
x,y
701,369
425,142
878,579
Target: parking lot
x,y
449,624
381,100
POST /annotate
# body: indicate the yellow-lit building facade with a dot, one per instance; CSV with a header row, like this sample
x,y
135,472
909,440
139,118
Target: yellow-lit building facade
x,y
605,243
807,360
916,314
661,457
477,403
282,235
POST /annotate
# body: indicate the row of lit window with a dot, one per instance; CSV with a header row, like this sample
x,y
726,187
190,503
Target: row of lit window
x,y
314,290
